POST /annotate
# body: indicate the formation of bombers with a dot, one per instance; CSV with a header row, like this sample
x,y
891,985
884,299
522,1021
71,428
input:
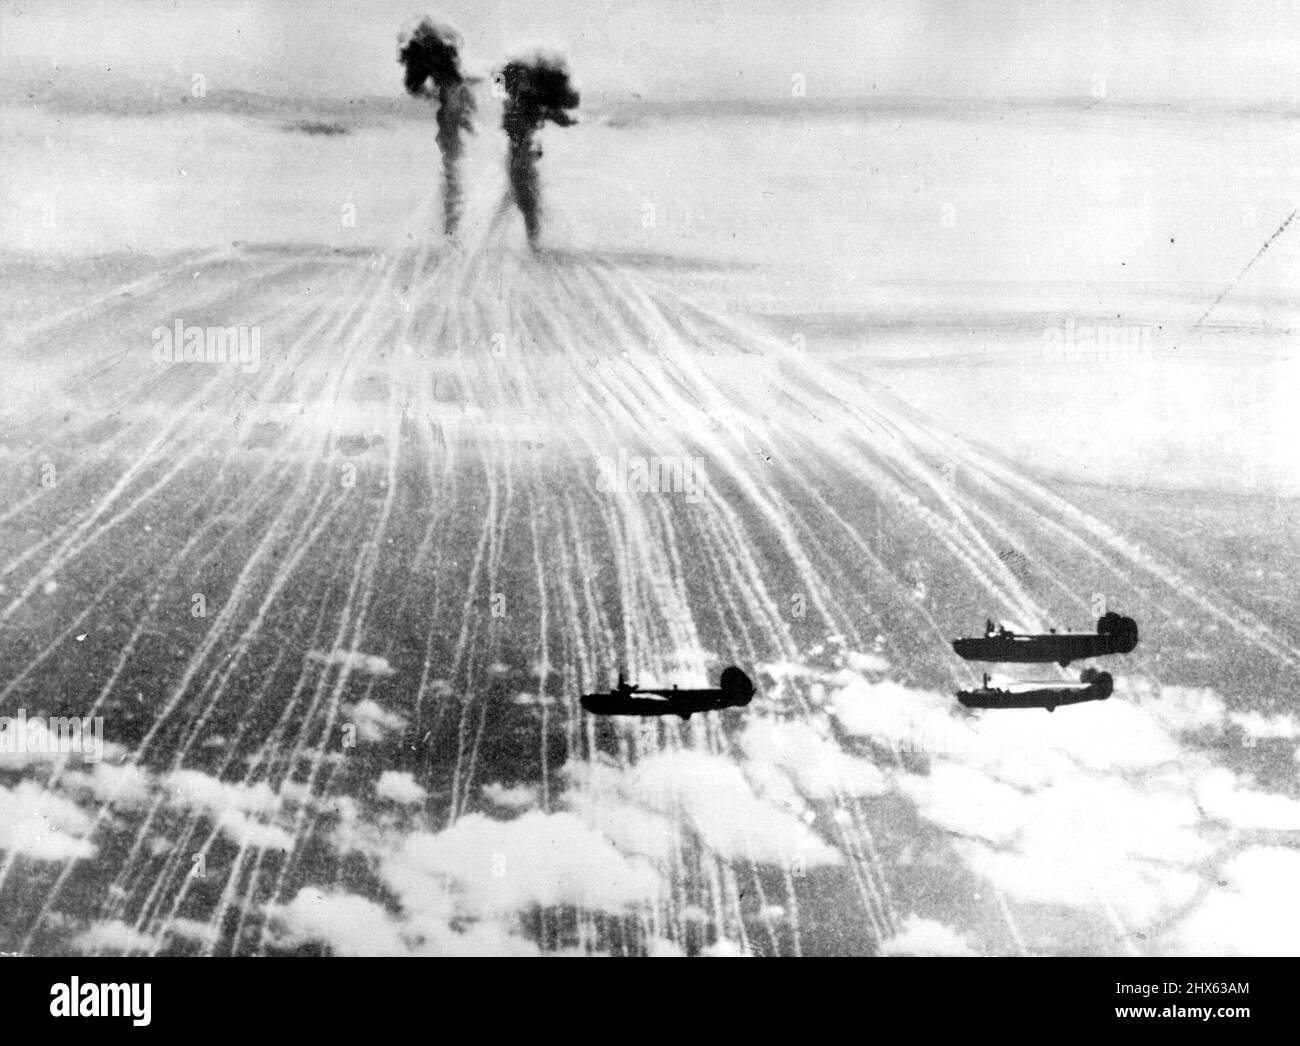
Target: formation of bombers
x,y
1114,635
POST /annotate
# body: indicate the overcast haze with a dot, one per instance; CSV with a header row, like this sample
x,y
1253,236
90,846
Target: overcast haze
x,y
1196,51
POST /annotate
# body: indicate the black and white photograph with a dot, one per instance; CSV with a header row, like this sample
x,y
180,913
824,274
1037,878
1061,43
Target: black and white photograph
x,y
650,478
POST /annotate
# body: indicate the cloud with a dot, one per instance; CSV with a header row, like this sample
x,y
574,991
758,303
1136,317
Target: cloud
x,y
1257,725
1254,914
1224,798
476,939
492,867
1182,710
1058,825
193,788
247,831
926,937
724,948
234,806
351,925
193,930
967,801
124,784
512,797
894,715
817,765
866,662
373,722
601,796
1112,809
355,661
348,924
711,795
462,890
400,787
112,936
40,825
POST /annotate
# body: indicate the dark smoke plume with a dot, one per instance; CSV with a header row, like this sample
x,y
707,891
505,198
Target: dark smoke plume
x,y
538,89
430,51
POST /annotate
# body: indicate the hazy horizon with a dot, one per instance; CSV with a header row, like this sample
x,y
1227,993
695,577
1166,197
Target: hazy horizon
x,y
673,50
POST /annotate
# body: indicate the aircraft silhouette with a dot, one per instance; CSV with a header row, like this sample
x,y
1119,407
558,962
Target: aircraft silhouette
x,y
734,690
1114,635
1092,686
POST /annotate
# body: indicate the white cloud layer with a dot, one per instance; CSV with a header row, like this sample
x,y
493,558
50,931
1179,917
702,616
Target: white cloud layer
x,y
400,787
1112,809
926,937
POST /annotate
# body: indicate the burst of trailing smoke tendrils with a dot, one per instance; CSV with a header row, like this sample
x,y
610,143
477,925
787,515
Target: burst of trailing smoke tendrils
x,y
538,88
430,51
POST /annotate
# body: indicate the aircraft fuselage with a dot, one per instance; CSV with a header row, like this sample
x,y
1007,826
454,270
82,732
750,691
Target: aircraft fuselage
x,y
684,703
1041,696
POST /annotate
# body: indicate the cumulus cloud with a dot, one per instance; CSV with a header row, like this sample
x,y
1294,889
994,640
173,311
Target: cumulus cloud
x,y
40,825
374,722
495,867
641,806
462,890
1183,710
112,936
248,831
603,798
400,787
818,766
193,930
348,924
355,661
123,784
236,807
712,796
967,801
1254,913
1262,727
1224,798
724,948
926,937
1112,810
512,797
196,789
859,661
895,716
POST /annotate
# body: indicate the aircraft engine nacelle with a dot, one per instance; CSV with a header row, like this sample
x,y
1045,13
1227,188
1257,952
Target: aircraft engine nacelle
x,y
1124,630
736,685
1102,682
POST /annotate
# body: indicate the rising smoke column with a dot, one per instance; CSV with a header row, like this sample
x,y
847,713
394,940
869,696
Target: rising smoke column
x,y
538,89
430,51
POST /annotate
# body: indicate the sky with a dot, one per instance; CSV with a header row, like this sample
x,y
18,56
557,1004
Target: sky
x,y
1146,51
